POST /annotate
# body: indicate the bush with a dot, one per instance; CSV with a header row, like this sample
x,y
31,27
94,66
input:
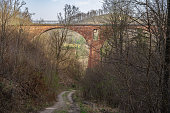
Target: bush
x,y
100,86
27,83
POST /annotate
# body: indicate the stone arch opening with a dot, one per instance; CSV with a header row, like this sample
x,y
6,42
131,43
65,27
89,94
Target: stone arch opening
x,y
87,34
76,42
87,31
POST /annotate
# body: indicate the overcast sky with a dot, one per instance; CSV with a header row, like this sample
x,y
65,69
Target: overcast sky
x,y
48,9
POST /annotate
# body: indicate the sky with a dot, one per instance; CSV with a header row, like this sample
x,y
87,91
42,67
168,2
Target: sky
x,y
48,9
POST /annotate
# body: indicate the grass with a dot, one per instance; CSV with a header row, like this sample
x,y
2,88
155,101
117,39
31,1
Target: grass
x,y
83,108
64,110
65,96
60,111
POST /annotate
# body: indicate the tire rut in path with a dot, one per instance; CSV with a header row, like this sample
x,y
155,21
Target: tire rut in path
x,y
62,103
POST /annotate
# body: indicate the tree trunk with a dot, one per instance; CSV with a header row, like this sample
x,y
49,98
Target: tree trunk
x,y
165,97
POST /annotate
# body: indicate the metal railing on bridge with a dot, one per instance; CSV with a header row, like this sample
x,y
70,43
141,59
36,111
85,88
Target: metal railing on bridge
x,y
53,22
45,22
49,22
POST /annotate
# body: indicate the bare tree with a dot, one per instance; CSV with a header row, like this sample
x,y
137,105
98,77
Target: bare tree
x,y
69,13
165,92
58,38
134,54
9,10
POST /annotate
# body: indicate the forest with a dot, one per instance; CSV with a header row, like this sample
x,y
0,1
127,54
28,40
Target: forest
x,y
131,76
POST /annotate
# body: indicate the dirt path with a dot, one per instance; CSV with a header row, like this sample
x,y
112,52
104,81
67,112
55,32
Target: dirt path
x,y
65,103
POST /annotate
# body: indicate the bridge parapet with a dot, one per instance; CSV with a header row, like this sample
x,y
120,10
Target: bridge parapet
x,y
45,22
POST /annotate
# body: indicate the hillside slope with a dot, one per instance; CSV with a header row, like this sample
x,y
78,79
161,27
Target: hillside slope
x,y
102,19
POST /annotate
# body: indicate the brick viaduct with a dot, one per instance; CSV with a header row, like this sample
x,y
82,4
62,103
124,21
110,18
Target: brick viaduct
x,y
87,31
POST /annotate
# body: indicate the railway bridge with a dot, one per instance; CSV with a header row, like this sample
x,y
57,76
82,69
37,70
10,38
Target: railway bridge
x,y
90,32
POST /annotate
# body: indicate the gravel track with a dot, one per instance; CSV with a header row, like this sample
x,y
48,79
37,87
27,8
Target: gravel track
x,y
63,103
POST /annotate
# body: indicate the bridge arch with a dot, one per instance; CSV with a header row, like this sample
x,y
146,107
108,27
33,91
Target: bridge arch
x,y
81,50
87,31
72,30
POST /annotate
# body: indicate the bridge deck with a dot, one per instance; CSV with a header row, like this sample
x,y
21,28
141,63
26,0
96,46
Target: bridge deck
x,y
75,25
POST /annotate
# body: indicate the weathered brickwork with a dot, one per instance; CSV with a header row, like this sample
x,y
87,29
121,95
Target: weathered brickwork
x,y
86,31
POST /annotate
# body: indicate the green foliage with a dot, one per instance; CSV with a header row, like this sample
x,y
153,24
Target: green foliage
x,y
104,49
80,40
83,109
78,44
